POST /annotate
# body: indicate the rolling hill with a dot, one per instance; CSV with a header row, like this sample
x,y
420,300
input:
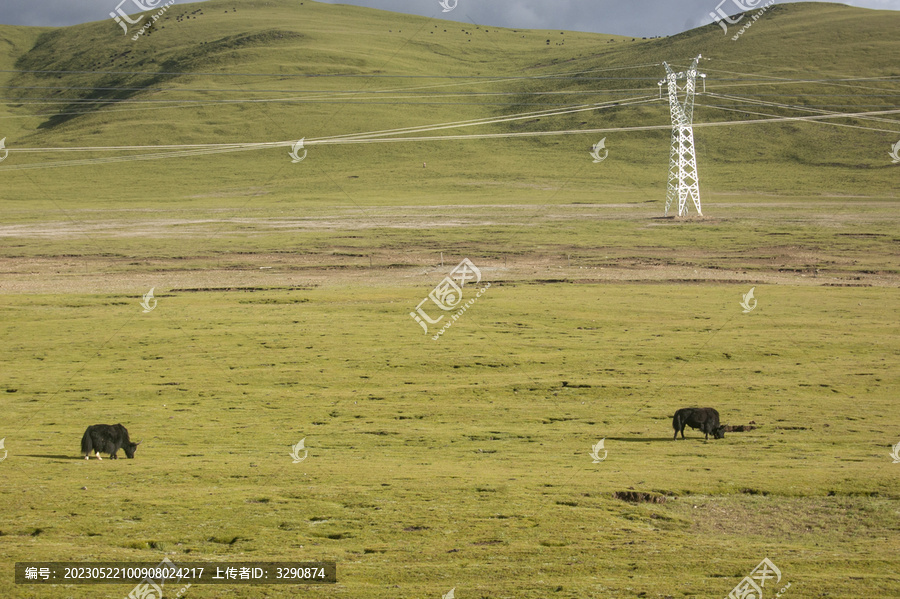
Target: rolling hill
x,y
211,73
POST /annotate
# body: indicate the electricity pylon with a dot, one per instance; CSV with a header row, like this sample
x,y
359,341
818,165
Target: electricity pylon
x,y
684,181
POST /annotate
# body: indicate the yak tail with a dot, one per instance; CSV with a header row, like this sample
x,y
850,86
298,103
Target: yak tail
x,y
86,446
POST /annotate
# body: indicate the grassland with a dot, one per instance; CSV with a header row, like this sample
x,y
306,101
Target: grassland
x,y
463,462
284,292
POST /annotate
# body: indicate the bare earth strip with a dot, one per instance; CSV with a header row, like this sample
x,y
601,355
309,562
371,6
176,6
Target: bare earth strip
x,y
782,241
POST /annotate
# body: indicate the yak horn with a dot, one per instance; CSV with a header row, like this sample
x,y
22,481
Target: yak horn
x,y
139,442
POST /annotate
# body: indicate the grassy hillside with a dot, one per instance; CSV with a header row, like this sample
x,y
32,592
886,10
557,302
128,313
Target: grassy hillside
x,y
282,70
208,74
284,292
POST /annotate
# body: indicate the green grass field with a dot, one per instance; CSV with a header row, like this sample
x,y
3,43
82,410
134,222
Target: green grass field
x,y
284,296
463,462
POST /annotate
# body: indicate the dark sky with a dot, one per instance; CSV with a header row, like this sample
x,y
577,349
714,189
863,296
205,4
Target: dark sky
x,y
644,18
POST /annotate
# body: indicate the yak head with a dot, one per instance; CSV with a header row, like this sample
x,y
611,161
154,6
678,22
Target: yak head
x,y
129,448
719,433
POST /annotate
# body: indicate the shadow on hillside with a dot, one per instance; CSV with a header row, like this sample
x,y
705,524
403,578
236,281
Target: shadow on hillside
x,y
110,90
128,77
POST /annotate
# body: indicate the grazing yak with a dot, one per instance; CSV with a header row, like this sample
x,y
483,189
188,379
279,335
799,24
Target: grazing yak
x,y
706,419
107,438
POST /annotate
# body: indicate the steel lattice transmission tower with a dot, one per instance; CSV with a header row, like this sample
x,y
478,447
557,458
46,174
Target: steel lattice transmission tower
x,y
684,181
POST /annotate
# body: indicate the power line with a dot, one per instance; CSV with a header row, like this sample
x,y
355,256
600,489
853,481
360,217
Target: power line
x,y
327,75
371,134
408,134
820,122
795,107
217,149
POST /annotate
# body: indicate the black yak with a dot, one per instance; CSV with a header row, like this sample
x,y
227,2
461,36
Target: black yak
x,y
107,438
706,419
